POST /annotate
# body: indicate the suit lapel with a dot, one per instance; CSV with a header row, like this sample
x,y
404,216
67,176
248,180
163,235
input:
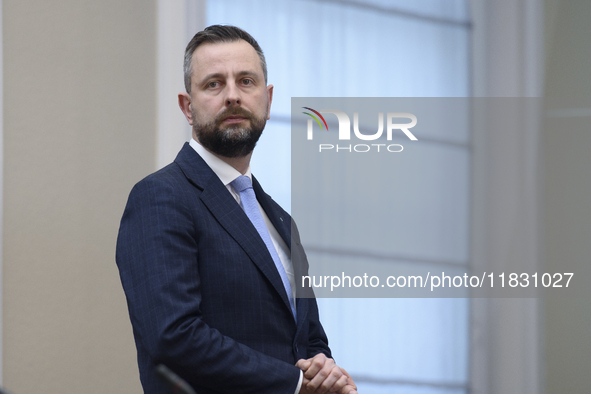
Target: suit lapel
x,y
280,220
283,225
230,215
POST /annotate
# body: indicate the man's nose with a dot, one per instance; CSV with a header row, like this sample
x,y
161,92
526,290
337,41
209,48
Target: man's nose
x,y
233,95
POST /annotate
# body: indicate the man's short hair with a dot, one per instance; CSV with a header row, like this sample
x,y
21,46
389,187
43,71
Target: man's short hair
x,y
216,34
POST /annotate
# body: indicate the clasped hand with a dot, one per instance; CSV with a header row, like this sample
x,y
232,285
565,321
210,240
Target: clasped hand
x,y
322,375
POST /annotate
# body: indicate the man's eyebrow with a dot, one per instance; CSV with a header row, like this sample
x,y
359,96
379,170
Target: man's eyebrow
x,y
211,76
248,74
244,73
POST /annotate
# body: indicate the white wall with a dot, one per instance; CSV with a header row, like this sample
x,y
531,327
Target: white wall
x,y
79,131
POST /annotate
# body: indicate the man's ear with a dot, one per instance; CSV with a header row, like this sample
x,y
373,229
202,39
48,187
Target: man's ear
x,y
270,96
185,104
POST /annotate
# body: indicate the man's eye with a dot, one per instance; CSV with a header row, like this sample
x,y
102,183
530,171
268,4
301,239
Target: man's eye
x,y
212,85
247,81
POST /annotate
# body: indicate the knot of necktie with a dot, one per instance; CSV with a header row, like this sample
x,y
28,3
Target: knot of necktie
x,y
241,183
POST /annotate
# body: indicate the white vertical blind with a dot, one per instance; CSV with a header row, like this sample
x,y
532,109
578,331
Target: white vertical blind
x,y
377,48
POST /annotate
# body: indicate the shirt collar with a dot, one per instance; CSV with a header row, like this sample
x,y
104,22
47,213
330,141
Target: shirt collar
x,y
223,170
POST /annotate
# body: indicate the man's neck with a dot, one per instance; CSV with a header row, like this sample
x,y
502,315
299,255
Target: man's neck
x,y
240,164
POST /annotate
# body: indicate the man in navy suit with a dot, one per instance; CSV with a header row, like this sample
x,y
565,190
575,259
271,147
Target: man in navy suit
x,y
209,269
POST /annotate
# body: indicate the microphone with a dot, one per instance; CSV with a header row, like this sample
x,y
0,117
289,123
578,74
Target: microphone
x,y
177,384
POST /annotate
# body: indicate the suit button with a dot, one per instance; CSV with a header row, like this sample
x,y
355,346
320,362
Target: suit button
x,y
296,349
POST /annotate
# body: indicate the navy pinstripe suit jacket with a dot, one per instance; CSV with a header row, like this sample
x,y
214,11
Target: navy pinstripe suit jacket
x,y
203,293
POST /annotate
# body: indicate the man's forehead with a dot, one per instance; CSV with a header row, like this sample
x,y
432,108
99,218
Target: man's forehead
x,y
209,56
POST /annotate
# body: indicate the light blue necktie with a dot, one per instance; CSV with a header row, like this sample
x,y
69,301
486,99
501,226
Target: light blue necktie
x,y
248,199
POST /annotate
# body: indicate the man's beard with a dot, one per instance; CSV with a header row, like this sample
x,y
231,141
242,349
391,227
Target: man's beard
x,y
234,140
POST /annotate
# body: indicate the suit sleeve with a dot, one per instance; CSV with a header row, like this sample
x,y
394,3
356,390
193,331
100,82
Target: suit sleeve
x,y
157,256
317,340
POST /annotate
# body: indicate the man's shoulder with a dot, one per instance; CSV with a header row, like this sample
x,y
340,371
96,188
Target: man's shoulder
x,y
167,185
163,192
187,166
167,177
